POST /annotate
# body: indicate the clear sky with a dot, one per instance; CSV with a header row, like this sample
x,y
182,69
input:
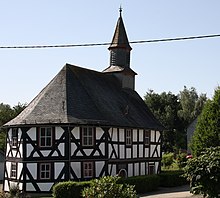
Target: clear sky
x,y
160,66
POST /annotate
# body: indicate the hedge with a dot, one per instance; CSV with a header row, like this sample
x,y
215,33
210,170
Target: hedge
x,y
69,189
172,178
143,184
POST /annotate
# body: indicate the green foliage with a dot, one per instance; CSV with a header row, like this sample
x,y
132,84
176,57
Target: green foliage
x,y
143,184
69,188
107,187
172,178
175,112
167,159
14,191
207,133
191,104
6,114
181,160
203,172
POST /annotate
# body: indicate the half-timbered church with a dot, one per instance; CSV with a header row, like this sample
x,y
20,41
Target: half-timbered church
x,y
84,124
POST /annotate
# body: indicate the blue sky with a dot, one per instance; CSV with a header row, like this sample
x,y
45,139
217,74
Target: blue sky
x,y
160,66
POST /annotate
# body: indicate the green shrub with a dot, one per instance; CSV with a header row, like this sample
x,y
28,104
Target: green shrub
x,y
167,159
181,160
172,178
203,172
143,184
69,188
107,187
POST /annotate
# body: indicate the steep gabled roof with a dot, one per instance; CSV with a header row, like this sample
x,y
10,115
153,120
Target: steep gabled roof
x,y
120,39
81,96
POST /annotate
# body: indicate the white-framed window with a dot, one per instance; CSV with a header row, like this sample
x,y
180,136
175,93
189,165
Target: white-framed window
x,y
14,137
45,170
128,137
45,136
147,137
13,170
87,169
87,136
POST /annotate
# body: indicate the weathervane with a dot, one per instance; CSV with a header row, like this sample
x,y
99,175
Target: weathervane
x,y
120,10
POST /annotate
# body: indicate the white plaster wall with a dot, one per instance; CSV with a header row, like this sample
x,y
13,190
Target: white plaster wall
x,y
8,168
45,186
88,151
152,136
102,148
32,167
134,135
128,153
143,168
112,169
6,187
45,153
157,136
19,170
58,133
61,148
76,166
122,152
141,151
130,170
147,152
152,147
121,135
30,187
98,167
32,133
99,133
158,149
141,135
114,136
29,149
136,169
58,168
73,148
7,150
75,132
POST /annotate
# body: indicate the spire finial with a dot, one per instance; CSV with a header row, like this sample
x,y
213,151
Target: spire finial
x,y
120,10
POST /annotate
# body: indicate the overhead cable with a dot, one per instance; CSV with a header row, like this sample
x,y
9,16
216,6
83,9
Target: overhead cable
x,y
103,44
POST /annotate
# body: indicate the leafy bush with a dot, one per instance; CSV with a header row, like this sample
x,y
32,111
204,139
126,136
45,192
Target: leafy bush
x,y
107,187
167,159
172,178
203,172
143,184
69,188
181,160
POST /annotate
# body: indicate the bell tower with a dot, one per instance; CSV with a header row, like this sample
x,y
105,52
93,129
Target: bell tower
x,y
120,50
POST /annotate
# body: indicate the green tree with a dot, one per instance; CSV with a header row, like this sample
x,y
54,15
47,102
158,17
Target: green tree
x,y
175,112
191,104
6,114
207,133
165,107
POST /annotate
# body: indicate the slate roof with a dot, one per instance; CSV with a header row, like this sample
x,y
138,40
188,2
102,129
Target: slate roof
x,y
81,96
120,39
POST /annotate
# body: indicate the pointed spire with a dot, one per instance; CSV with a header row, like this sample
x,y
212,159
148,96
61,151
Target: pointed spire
x,y
120,39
